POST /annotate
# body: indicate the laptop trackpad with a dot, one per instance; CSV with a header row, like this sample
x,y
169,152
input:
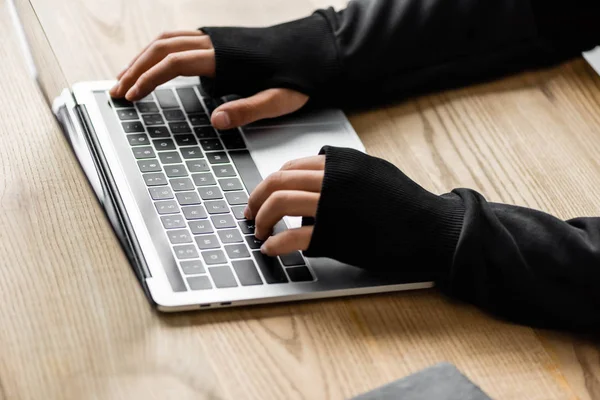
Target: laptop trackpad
x,y
271,147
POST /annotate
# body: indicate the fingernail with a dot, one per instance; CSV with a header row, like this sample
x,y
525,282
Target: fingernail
x,y
263,249
221,120
132,93
247,213
115,89
256,233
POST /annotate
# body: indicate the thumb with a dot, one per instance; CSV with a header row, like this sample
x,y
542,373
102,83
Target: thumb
x,y
270,103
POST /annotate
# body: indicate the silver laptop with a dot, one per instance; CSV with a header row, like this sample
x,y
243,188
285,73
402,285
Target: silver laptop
x,y
174,188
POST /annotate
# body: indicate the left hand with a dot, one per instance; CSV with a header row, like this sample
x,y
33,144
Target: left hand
x,y
294,190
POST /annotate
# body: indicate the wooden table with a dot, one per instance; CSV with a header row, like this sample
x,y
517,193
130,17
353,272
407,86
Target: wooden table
x,y
75,324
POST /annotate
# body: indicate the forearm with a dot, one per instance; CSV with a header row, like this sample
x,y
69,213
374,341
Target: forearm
x,y
394,48
527,265
521,264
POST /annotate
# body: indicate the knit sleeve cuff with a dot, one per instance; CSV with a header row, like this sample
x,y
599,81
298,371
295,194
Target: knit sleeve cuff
x,y
373,216
300,55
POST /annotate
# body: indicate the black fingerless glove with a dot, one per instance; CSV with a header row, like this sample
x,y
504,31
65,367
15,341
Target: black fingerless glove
x,y
371,215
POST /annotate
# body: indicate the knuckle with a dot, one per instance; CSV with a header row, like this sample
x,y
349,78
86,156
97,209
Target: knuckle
x,y
279,199
158,46
275,180
173,59
288,165
143,80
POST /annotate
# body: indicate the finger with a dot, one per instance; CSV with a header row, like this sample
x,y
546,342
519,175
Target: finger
x,y
284,203
309,181
305,163
288,241
165,35
153,55
269,103
186,63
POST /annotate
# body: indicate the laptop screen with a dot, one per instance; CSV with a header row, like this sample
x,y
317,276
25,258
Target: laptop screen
x,y
41,60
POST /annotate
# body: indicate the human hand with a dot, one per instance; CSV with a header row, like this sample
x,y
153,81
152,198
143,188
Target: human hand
x,y
294,190
191,53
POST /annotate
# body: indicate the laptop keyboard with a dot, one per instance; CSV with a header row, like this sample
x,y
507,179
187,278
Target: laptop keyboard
x,y
199,179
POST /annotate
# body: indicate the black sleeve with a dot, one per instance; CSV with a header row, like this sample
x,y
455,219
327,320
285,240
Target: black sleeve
x,y
396,48
517,263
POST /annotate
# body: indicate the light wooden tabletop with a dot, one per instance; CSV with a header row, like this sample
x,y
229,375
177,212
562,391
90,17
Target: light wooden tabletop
x,y
75,324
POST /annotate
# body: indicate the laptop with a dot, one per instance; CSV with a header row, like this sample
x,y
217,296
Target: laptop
x,y
174,188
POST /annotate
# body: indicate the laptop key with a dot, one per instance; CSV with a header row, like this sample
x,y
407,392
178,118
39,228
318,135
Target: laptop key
x,y
194,212
155,179
189,100
230,236
127,114
185,140
270,268
167,207
163,144
211,144
213,257
166,98
191,152
217,207
299,274
186,251
222,221
143,152
121,103
210,192
207,242
172,221
161,193
175,170
174,115
237,251
147,107
247,227
223,277
294,258
230,184
157,132
197,166
233,141
139,139
201,227
219,157
253,242
149,165
246,272
204,179
132,127
224,171
199,119
180,127
169,157
181,184
192,267
199,283
238,212
187,198
205,132
179,236
153,119
236,198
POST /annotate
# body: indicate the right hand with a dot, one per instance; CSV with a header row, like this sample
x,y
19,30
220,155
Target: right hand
x,y
191,53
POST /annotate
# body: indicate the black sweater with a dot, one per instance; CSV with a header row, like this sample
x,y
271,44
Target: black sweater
x,y
518,263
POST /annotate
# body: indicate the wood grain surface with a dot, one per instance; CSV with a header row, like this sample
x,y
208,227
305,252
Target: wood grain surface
x,y
75,324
